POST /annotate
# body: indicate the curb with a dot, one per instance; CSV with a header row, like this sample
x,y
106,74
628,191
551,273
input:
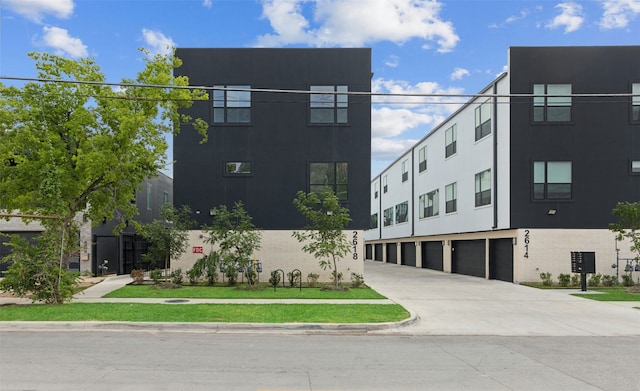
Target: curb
x,y
179,327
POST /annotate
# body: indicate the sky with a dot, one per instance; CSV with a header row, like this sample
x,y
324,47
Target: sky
x,y
418,46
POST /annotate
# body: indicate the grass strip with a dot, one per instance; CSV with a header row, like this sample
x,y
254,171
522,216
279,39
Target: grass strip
x,y
226,292
611,294
242,313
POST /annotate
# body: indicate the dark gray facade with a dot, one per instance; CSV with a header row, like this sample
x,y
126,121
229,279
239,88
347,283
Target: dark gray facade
x,y
600,139
261,151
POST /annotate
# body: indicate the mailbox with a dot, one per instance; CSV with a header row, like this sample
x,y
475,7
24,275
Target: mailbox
x,y
583,262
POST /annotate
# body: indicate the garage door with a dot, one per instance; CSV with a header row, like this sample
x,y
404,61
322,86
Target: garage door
x,y
408,254
501,259
392,254
468,257
377,256
432,255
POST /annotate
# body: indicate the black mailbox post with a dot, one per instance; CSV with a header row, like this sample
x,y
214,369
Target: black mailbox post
x,y
583,262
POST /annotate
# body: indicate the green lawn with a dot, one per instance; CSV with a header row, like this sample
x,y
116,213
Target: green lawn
x,y
244,313
225,292
610,294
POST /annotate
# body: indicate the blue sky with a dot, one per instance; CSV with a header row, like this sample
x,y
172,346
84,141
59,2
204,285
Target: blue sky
x,y
418,46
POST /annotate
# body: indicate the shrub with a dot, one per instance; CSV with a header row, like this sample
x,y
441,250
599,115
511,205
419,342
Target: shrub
x,y
274,280
156,275
575,280
207,266
312,279
564,280
357,280
627,280
336,277
176,276
546,279
594,280
231,272
294,278
608,280
193,275
137,275
252,276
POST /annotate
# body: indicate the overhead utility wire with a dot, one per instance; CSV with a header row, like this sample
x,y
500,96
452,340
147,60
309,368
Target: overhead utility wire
x,y
307,92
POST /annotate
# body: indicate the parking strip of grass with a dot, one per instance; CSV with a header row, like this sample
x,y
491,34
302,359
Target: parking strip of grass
x,y
226,292
610,294
241,313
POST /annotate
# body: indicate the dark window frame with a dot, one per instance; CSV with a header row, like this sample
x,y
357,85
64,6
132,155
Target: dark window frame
x,y
402,212
483,126
451,206
634,113
338,188
482,195
544,104
540,191
225,106
238,172
422,159
450,149
333,103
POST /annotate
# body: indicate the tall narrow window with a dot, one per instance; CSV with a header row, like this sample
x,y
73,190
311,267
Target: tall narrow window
x,y
451,198
450,141
422,159
402,212
375,190
165,197
635,102
329,105
552,102
405,170
232,104
373,223
149,195
384,184
332,175
483,120
388,217
551,180
429,204
483,188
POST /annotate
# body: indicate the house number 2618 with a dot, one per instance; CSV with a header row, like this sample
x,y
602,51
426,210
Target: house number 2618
x,y
354,242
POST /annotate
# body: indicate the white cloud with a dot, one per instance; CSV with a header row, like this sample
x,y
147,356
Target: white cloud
x,y
157,42
207,3
459,73
392,61
618,13
571,17
349,23
511,19
35,10
386,149
59,39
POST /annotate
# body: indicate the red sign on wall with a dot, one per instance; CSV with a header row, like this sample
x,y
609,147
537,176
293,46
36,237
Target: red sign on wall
x,y
197,249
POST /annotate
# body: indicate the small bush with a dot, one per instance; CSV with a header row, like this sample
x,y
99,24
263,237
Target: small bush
x,y
312,279
252,276
627,280
193,276
137,275
608,280
336,277
231,272
357,280
155,275
274,280
564,280
294,278
546,279
594,280
575,280
176,276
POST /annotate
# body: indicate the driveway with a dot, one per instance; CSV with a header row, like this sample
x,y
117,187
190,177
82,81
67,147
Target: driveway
x,y
453,304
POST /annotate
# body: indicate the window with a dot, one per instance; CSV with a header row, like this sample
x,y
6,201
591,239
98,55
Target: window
x,y
332,175
552,102
237,168
388,217
402,212
483,188
429,204
422,159
373,223
375,190
405,170
551,180
231,105
635,167
384,184
149,195
165,197
330,107
635,102
483,120
450,141
451,198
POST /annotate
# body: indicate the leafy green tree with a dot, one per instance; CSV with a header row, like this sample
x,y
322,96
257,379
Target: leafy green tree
x,y
36,269
167,237
324,236
628,225
236,238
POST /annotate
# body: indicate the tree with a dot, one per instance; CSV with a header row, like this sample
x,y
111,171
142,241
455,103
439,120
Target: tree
x,y
72,144
628,225
324,233
167,237
237,239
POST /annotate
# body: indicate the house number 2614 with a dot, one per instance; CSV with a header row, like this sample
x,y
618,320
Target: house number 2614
x,y
354,242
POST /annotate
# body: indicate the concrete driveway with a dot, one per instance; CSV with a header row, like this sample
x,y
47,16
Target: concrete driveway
x,y
453,304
